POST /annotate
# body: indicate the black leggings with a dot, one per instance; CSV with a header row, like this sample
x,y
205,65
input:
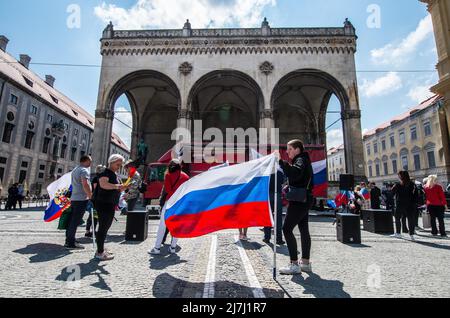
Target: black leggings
x,y
437,212
105,218
402,213
297,214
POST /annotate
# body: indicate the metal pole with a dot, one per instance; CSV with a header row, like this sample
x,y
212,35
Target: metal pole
x,y
275,222
93,229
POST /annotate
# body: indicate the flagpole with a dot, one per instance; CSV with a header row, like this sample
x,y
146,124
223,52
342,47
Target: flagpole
x,y
93,228
275,222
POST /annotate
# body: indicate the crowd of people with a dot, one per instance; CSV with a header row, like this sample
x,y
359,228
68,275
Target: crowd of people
x,y
407,199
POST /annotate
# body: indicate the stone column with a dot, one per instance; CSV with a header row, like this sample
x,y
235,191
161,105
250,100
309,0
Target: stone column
x,y
102,136
267,121
354,155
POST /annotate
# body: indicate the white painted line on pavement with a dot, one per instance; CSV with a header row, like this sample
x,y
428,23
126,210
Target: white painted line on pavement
x,y
210,278
251,276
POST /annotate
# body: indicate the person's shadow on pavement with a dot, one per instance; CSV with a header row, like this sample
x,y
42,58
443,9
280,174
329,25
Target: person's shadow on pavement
x,y
43,252
79,271
320,288
160,262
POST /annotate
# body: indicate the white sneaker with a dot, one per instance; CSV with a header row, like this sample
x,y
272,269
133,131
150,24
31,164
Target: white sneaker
x,y
104,257
307,268
155,251
396,235
292,269
172,250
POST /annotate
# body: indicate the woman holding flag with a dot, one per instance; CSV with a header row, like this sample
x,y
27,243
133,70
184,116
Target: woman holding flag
x,y
300,175
174,178
107,198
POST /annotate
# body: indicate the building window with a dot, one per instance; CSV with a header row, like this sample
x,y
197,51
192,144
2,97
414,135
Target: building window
x,y
13,99
10,116
394,166
2,173
73,153
431,159
34,110
383,145
50,118
42,167
377,170
55,100
46,145
417,162
392,138
402,138
368,149
22,176
386,168
29,139
370,172
405,163
375,147
7,133
63,151
41,175
24,164
427,128
75,132
3,160
413,133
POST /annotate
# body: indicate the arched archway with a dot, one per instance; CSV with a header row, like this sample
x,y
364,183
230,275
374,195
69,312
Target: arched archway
x,y
226,99
305,94
154,100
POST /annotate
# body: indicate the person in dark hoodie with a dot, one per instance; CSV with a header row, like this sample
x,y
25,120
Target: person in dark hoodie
x,y
300,175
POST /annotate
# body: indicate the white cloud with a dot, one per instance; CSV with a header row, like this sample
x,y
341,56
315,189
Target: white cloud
x,y
420,93
335,138
398,53
124,132
384,85
173,13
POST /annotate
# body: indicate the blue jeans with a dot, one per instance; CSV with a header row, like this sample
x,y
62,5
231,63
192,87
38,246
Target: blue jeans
x,y
75,217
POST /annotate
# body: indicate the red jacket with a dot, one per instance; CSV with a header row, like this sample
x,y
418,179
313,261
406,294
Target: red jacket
x,y
435,196
173,181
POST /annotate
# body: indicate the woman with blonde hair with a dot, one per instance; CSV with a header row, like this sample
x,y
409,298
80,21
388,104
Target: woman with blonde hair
x,y
109,189
436,204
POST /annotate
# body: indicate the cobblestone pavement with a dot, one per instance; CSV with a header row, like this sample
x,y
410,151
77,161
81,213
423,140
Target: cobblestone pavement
x,y
33,263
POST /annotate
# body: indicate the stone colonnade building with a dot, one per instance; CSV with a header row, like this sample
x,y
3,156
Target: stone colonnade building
x,y
230,78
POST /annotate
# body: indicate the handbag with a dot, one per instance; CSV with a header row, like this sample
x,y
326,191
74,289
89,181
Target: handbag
x,y
295,194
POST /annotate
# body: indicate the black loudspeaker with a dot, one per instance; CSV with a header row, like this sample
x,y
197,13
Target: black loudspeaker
x,y
137,226
378,221
348,228
346,182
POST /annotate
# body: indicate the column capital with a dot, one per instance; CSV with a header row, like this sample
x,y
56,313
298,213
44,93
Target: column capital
x,y
266,114
104,114
184,114
351,114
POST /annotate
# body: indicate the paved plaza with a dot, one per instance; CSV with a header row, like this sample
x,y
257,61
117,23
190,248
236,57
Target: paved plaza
x,y
33,263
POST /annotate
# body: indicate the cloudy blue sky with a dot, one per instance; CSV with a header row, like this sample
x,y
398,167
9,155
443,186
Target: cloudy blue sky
x,y
399,46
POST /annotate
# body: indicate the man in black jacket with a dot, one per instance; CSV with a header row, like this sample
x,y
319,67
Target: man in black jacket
x,y
300,175
375,197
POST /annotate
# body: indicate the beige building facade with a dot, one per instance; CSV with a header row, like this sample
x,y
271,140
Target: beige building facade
x,y
440,14
411,141
43,133
336,163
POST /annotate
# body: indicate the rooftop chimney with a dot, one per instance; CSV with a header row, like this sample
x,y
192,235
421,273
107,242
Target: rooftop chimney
x,y
3,42
50,80
25,60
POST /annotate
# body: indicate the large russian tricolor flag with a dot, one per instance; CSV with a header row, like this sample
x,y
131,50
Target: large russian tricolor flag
x,y
319,164
227,198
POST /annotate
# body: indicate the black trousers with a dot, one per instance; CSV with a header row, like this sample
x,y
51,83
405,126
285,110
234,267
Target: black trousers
x,y
437,212
105,213
75,217
403,214
298,215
